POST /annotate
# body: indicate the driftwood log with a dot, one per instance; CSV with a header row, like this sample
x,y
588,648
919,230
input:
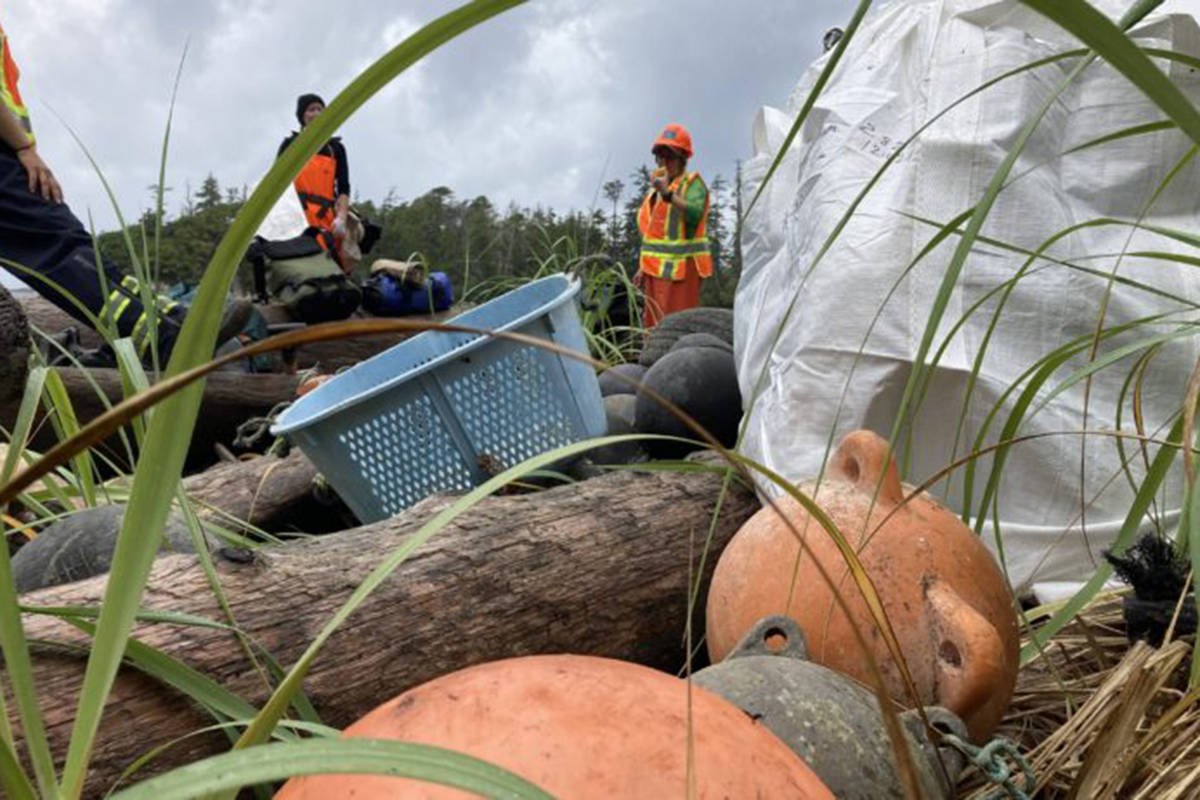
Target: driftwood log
x,y
329,356
229,399
263,491
599,567
14,348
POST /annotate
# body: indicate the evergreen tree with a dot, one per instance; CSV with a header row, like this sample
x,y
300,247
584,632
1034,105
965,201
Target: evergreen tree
x,y
209,195
612,193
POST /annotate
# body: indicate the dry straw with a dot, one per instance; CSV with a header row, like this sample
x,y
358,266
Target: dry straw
x,y
1099,718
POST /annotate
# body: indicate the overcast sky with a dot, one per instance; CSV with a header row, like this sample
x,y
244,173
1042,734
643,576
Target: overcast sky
x,y
538,106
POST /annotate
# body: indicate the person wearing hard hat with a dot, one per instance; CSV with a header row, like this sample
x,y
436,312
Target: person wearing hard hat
x,y
675,255
45,245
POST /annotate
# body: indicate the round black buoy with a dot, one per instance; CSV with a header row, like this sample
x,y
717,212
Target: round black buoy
x,y
81,545
703,382
621,379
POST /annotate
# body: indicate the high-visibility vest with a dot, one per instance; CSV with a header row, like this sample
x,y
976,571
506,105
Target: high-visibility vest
x,y
9,93
667,250
315,185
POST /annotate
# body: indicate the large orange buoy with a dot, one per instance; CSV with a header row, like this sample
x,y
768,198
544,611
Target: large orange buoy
x,y
946,597
578,727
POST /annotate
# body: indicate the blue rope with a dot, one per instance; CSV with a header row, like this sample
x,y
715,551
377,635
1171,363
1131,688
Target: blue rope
x,y
995,760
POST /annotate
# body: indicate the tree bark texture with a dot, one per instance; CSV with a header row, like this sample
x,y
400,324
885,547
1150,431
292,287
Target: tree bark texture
x,y
599,567
262,491
329,356
14,348
230,398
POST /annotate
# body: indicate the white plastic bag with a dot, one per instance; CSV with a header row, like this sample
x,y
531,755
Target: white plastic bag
x,y
286,218
909,61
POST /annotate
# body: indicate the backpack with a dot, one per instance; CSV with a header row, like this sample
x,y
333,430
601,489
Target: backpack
x,y
386,295
301,276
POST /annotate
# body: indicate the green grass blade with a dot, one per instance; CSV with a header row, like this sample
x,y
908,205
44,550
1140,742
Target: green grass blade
x,y
834,58
160,187
1072,265
150,756
272,712
1141,502
200,545
133,380
170,428
1124,133
849,213
1110,43
1189,532
1036,387
918,378
172,672
231,771
922,371
19,668
70,613
34,384
14,780
66,425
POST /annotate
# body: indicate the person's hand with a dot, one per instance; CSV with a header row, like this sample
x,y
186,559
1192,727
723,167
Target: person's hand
x,y
660,184
41,179
639,280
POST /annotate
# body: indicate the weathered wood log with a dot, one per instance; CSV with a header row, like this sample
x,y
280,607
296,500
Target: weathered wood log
x,y
229,399
330,356
599,567
14,348
261,491
50,319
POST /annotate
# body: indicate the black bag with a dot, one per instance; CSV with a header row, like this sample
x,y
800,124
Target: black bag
x,y
304,278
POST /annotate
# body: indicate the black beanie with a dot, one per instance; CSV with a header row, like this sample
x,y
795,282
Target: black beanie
x,y
304,101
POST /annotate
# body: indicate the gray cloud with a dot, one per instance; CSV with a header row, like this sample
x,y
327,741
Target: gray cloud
x,y
536,107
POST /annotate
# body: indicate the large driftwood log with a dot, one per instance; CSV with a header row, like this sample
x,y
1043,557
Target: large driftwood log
x,y
329,356
229,399
50,319
14,347
261,491
600,567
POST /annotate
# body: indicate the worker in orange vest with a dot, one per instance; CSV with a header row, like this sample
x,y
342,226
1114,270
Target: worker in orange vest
x,y
675,255
45,245
324,183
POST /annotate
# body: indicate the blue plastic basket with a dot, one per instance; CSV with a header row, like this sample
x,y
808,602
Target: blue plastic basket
x,y
444,411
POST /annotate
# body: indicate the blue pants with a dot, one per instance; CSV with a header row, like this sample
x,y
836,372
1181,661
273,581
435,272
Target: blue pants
x,y
51,241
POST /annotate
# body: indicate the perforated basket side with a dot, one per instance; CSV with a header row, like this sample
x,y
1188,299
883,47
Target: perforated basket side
x,y
446,421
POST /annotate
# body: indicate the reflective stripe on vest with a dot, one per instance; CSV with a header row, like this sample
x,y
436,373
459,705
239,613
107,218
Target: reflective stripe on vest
x,y
9,93
118,302
315,186
666,250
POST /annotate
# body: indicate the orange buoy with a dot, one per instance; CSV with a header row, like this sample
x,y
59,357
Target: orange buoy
x,y
946,598
311,383
578,727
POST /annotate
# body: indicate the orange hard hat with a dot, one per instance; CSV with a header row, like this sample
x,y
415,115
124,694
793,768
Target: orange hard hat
x,y
676,137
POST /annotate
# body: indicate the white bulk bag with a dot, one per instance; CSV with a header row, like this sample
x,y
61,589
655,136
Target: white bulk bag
x,y
908,61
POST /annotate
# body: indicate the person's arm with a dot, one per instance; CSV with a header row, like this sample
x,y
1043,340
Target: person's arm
x,y
41,179
692,204
341,180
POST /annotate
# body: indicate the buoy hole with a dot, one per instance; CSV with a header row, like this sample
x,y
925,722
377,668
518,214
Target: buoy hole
x,y
851,470
949,653
775,639
941,726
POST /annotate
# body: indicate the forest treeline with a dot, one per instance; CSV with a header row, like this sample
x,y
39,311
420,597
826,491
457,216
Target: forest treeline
x,y
470,239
